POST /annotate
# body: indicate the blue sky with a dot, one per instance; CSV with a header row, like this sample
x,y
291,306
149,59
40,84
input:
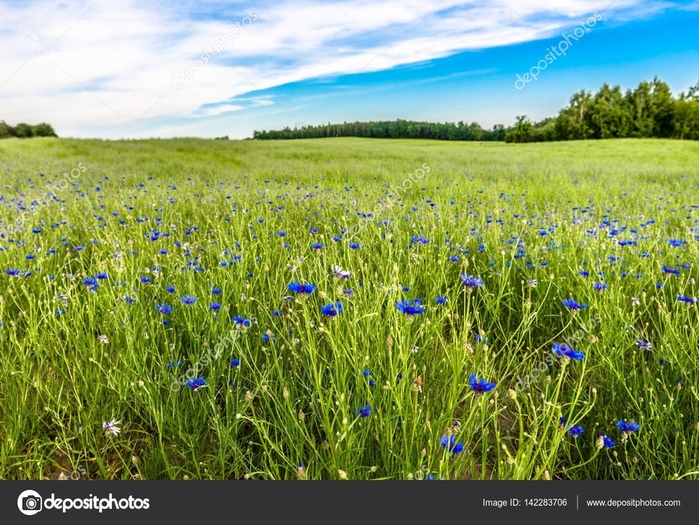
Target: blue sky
x,y
131,69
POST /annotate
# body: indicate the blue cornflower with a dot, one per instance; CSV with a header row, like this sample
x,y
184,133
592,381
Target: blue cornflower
x,y
235,362
410,307
145,279
573,305
215,306
481,386
216,291
364,411
625,426
12,272
241,320
599,287
188,299
450,444
354,245
565,350
163,308
686,299
418,239
471,282
101,276
454,258
129,299
643,345
441,300
332,309
673,271
277,313
675,243
196,383
317,245
575,431
91,283
301,288
342,274
30,256
605,442
170,289
268,336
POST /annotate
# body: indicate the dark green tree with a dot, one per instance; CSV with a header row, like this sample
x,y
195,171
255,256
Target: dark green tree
x,y
6,131
24,130
641,107
44,130
663,109
572,121
608,115
686,116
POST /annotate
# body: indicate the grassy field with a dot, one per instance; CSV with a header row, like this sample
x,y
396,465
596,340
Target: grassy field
x,y
348,308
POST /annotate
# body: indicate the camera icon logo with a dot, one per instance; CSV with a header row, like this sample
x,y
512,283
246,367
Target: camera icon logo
x,y
29,502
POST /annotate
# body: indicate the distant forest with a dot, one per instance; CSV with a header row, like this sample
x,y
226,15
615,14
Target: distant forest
x,y
25,131
648,111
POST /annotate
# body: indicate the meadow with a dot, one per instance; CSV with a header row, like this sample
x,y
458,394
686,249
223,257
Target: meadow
x,y
348,309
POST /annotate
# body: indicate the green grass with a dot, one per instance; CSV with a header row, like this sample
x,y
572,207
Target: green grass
x,y
525,218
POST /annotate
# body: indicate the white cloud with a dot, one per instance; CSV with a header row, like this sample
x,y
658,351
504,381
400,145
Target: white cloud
x,y
218,110
108,69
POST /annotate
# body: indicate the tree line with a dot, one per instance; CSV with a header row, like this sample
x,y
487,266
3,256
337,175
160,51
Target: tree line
x,y
395,129
23,130
650,110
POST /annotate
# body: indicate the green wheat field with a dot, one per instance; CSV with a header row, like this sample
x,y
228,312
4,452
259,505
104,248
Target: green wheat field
x,y
348,309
